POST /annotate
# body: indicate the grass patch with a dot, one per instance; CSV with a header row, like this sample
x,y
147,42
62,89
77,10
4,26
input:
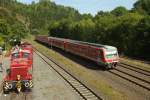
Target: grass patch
x,y
87,76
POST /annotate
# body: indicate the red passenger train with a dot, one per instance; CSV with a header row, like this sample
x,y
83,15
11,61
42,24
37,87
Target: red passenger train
x,y
102,54
19,75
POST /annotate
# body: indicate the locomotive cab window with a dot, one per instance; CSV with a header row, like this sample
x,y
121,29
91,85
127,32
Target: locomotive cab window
x,y
25,55
15,55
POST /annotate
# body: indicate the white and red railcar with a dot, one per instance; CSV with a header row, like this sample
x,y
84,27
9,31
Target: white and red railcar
x,y
101,54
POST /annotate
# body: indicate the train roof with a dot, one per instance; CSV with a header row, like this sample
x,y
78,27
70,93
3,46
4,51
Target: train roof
x,y
27,51
18,51
62,39
96,45
86,43
25,43
15,51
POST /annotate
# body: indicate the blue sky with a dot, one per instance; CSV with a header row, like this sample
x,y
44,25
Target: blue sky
x,y
92,6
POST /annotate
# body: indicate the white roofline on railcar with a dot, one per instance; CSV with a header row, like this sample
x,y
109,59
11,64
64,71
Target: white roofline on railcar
x,y
87,43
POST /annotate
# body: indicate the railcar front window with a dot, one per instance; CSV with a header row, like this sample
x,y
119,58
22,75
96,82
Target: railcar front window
x,y
111,53
109,56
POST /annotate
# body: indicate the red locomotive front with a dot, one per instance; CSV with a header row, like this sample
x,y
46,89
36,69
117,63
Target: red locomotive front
x,y
22,54
18,77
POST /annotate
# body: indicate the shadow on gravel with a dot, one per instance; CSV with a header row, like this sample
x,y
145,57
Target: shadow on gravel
x,y
77,59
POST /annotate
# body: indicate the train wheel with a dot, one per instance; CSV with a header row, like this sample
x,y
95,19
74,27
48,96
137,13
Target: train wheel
x,y
108,67
113,65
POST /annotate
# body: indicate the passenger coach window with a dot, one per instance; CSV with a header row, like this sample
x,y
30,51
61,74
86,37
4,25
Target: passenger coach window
x,y
25,55
100,53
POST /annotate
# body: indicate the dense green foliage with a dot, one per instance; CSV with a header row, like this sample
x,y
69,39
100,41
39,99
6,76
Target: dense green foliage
x,y
35,18
11,26
142,6
128,30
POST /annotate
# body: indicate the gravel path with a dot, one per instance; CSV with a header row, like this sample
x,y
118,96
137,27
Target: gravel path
x,y
48,85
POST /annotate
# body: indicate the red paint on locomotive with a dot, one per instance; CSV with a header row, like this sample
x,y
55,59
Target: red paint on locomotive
x,y
19,75
20,67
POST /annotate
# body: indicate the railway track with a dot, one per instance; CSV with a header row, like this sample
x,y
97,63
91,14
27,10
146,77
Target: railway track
x,y
14,96
80,88
134,68
133,74
25,96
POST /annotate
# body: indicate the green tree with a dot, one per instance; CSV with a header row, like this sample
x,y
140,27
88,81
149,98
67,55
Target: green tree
x,y
119,11
5,32
143,36
19,31
86,27
143,6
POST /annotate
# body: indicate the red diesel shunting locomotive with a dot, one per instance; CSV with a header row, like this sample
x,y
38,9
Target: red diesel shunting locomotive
x,y
19,75
101,54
